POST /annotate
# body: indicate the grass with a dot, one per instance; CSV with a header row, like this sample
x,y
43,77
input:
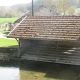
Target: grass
x,y
7,20
8,42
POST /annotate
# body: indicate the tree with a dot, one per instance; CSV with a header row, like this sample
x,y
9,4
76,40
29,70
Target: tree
x,y
2,11
71,10
11,12
37,2
21,8
50,3
62,6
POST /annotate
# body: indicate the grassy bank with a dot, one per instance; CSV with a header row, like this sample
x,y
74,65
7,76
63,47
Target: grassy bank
x,y
7,20
8,43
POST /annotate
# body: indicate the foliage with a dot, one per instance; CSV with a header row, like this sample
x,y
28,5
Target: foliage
x,y
50,3
8,42
63,6
38,2
71,10
9,12
6,32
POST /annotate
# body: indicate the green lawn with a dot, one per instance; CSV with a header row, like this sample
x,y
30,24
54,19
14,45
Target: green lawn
x,y
8,43
3,20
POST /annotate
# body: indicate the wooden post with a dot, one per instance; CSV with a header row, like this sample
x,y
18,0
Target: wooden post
x,y
32,9
18,47
57,57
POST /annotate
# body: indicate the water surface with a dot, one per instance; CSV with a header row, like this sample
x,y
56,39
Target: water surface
x,y
27,70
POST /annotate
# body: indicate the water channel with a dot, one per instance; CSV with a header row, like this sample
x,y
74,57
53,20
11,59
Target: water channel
x,y
28,70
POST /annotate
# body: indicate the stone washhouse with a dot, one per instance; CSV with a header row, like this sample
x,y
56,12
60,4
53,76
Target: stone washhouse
x,y
48,37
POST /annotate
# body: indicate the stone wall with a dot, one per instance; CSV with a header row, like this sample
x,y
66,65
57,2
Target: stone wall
x,y
11,26
8,53
25,44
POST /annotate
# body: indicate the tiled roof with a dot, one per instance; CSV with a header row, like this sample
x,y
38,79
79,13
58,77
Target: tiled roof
x,y
41,7
46,27
35,10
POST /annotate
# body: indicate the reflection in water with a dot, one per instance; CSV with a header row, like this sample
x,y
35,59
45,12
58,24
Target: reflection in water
x,y
9,73
48,71
38,71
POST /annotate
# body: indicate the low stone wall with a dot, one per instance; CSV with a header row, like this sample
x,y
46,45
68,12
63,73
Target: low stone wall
x,y
7,53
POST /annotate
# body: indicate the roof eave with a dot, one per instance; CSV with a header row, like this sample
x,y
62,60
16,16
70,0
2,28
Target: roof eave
x,y
42,39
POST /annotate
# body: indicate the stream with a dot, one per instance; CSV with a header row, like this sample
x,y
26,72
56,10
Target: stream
x,y
29,70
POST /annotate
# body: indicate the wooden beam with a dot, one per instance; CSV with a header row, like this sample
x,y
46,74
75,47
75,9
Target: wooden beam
x,y
57,57
18,40
32,9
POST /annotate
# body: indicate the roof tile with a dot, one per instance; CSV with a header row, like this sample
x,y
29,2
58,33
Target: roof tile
x,y
48,27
